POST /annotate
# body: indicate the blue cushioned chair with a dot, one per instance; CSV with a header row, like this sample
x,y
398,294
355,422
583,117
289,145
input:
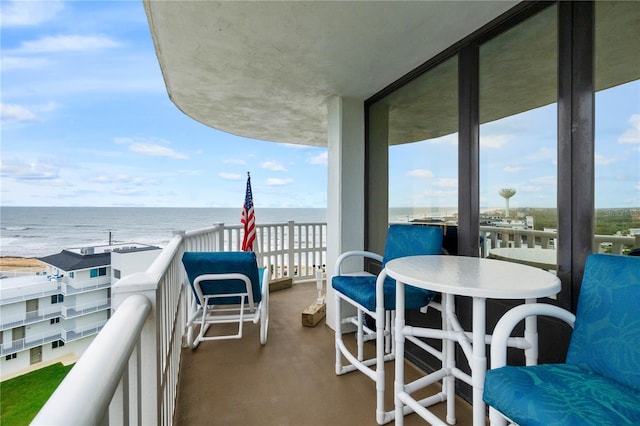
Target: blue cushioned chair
x,y
228,287
376,297
599,383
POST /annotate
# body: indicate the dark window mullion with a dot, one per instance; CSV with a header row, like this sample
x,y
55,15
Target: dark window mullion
x,y
468,151
576,118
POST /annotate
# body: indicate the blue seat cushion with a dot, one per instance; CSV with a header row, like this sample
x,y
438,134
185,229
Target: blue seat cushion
x,y
243,262
606,337
560,394
362,289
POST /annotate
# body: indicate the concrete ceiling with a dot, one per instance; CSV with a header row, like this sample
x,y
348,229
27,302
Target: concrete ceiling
x,y
265,70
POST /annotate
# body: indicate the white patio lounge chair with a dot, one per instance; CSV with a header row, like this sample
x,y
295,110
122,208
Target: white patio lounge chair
x,y
228,287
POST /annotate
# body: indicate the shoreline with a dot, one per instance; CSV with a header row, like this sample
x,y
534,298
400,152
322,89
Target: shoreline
x,y
9,263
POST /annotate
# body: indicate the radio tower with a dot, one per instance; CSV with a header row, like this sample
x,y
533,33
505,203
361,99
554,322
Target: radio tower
x,y
507,193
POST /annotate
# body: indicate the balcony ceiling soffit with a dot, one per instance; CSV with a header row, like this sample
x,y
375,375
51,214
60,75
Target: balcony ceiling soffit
x,y
265,70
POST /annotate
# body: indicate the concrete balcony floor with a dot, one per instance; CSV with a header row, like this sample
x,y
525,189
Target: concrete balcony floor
x,y
289,381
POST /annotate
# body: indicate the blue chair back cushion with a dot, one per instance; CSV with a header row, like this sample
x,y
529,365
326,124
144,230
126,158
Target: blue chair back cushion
x,y
606,335
243,262
560,394
402,240
411,240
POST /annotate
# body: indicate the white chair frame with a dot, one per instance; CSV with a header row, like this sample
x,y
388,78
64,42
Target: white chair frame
x,y
384,336
205,315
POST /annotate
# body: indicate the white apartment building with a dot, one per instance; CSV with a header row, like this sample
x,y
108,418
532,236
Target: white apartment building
x,y
56,314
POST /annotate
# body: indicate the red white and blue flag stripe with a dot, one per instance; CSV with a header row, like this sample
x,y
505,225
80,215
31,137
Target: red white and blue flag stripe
x,y
248,219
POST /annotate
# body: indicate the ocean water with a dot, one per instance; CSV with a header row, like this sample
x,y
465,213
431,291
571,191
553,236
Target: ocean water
x,y
42,231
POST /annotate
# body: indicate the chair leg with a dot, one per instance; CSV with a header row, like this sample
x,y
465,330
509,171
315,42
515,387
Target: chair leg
x,y
389,332
381,338
338,320
360,335
264,321
448,361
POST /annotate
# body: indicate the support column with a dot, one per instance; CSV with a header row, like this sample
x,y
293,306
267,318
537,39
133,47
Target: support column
x,y
345,201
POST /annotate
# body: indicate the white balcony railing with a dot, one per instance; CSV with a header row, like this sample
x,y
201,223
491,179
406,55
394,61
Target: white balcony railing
x,y
495,237
29,342
69,335
136,357
11,321
76,310
85,286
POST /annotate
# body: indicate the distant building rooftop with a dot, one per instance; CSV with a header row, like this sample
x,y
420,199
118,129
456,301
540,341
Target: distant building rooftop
x,y
17,288
73,259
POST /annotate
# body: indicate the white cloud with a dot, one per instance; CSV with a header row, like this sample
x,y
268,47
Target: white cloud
x,y
321,159
529,188
420,173
144,147
189,172
451,139
156,151
28,13
123,178
632,135
14,112
235,161
273,166
511,169
23,170
130,191
278,181
545,180
434,193
497,141
10,63
601,160
230,176
447,182
543,154
66,43
48,107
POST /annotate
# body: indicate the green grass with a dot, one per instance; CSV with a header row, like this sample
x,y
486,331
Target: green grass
x,y
22,397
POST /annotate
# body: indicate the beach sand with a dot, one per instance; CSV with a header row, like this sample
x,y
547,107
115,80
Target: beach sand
x,y
12,263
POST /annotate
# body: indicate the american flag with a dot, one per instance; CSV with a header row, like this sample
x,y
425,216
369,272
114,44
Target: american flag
x,y
248,219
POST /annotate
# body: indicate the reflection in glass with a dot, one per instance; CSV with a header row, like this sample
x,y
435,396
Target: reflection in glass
x,y
617,127
422,122
518,142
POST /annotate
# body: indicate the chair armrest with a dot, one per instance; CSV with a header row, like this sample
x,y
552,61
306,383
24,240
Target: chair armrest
x,y
266,278
352,253
507,323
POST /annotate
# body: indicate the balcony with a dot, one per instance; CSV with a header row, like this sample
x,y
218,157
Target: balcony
x,y
147,376
8,322
85,286
29,342
76,310
82,331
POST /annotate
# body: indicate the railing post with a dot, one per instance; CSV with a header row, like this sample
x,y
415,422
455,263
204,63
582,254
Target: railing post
x,y
149,395
221,232
291,248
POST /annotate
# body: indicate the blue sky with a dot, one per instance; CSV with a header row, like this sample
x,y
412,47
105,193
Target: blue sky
x,y
86,121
